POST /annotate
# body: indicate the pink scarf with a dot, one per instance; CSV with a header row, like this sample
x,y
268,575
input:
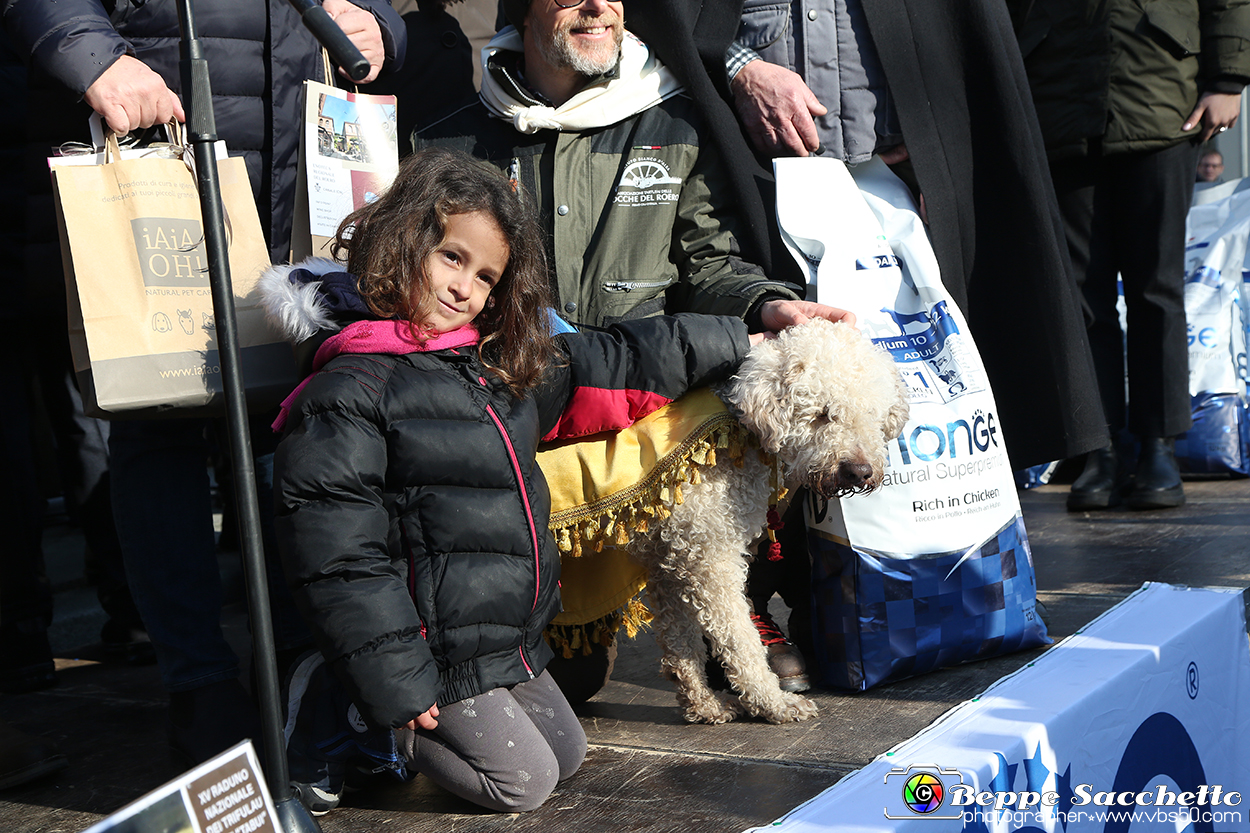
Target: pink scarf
x,y
387,337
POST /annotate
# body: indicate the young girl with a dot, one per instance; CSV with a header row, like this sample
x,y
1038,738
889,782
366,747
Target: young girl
x,y
412,517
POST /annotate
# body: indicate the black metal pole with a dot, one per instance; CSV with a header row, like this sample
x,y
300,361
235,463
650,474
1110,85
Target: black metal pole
x,y
293,817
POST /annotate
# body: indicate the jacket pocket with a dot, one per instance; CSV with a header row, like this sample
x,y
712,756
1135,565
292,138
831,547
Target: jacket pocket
x,y
628,312
624,300
763,23
1179,31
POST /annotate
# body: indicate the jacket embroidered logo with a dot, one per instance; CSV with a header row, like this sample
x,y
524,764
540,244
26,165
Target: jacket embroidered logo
x,y
639,181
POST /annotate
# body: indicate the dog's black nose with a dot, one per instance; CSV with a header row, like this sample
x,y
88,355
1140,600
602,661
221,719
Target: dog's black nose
x,y
848,477
854,474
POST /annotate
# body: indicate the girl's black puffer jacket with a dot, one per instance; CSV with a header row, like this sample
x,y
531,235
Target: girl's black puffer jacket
x,y
412,516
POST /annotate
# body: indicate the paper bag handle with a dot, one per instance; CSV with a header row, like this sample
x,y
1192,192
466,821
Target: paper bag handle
x,y
112,152
329,76
173,128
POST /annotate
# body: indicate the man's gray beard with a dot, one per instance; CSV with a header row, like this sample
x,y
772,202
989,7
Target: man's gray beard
x,y
559,52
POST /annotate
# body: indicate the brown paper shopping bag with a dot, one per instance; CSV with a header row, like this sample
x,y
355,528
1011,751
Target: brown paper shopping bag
x,y
141,319
349,153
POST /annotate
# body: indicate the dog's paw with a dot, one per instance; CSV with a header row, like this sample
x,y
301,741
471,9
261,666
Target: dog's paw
x,y
719,708
796,708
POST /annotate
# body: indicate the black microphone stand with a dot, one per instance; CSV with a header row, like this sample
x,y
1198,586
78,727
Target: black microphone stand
x,y
293,817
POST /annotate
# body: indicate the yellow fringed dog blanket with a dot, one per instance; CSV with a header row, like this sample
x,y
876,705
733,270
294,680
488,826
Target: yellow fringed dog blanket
x,y
603,487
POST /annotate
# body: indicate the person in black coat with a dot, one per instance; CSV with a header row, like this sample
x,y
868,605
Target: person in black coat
x,y
1125,94
122,58
956,78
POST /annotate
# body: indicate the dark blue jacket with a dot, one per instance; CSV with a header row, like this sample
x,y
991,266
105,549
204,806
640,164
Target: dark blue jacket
x,y
259,54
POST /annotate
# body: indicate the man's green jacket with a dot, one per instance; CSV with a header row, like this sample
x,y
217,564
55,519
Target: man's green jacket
x,y
1128,72
638,214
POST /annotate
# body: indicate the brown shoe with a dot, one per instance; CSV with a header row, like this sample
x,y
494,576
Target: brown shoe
x,y
26,757
785,660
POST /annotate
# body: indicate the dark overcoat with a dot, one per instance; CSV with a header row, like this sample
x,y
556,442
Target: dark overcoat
x,y
955,73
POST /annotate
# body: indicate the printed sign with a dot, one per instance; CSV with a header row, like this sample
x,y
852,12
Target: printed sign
x,y
349,155
224,795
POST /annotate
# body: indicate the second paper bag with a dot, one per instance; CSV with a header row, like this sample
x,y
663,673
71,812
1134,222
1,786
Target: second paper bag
x,y
933,568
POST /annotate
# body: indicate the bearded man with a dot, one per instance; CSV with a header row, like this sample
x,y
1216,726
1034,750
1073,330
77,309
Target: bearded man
x,y
601,136
637,206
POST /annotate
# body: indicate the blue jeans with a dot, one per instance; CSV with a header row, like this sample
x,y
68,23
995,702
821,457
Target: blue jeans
x,y
164,516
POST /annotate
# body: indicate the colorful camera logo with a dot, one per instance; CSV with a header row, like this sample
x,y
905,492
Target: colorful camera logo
x,y
924,789
923,792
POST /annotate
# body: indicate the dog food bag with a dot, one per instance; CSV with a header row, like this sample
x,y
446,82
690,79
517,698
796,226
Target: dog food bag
x,y
933,568
1216,233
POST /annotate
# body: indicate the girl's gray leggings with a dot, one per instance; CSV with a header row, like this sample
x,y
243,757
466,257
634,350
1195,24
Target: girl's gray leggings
x,y
505,750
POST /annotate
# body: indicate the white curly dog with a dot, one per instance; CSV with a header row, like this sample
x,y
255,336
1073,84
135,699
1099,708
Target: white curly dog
x,y
825,401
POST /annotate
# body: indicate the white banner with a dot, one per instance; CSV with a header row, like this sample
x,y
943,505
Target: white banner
x,y
1141,720
948,485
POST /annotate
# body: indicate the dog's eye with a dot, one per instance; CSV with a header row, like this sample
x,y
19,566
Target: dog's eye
x,y
824,417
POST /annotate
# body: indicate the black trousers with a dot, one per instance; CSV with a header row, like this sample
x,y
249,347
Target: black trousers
x,y
1125,214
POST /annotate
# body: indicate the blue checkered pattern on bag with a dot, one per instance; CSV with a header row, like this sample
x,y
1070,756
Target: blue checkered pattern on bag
x,y
1219,440
882,617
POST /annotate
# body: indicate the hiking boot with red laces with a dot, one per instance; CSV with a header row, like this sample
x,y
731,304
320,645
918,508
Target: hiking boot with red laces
x,y
785,660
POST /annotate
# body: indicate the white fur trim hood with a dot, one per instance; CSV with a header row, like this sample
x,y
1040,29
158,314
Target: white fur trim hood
x,y
298,309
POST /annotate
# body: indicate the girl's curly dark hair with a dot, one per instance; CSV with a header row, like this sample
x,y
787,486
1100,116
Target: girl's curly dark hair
x,y
386,244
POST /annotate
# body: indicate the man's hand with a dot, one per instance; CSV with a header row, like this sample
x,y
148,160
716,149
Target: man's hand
x,y
130,95
777,109
777,315
425,721
362,29
1216,111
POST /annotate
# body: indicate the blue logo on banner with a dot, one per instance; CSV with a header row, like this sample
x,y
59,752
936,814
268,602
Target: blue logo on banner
x,y
1161,746
876,262
937,326
1205,275
1191,680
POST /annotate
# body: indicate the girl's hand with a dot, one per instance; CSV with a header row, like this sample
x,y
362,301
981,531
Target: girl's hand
x,y
426,721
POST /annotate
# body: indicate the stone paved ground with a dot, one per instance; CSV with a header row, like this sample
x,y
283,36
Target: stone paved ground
x,y
647,771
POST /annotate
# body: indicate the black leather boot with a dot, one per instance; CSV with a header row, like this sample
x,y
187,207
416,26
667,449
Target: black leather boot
x,y
1099,485
26,757
26,662
207,720
1158,481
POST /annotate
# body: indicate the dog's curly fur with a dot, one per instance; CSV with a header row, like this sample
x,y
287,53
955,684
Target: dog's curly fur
x,y
825,401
